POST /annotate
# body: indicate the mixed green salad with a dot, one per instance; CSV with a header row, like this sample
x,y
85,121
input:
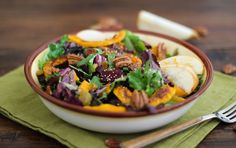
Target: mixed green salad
x,y
117,75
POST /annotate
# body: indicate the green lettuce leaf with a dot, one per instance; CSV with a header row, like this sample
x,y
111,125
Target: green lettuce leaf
x,y
55,50
146,79
96,80
132,41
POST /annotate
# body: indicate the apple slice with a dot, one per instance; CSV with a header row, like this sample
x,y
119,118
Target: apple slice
x,y
183,77
193,62
152,22
91,35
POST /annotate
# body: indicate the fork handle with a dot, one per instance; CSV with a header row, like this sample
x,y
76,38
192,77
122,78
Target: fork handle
x,y
161,134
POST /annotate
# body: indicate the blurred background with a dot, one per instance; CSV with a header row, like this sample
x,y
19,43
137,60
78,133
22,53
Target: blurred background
x,y
25,24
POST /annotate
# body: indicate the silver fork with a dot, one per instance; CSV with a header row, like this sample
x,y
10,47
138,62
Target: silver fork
x,y
227,115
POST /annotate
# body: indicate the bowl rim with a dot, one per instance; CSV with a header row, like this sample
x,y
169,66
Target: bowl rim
x,y
208,66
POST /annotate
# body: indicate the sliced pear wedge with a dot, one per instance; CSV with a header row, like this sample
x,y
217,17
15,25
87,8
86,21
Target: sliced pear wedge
x,y
193,62
183,77
151,22
91,35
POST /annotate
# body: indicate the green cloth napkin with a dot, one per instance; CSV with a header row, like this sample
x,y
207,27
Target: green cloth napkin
x,y
21,104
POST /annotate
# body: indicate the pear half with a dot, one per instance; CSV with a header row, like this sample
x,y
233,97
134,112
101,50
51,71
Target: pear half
x,y
152,22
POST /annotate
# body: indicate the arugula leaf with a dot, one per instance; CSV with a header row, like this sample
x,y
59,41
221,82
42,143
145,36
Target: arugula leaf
x,y
55,50
104,95
96,80
80,70
110,58
132,41
86,60
99,51
89,61
89,58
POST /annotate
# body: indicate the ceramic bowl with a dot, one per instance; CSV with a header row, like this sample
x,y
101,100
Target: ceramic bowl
x,y
127,122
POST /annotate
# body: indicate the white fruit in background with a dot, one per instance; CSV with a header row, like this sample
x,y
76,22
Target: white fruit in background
x,y
193,62
91,35
151,22
182,76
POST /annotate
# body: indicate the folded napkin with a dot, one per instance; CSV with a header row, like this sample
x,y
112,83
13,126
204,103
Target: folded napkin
x,y
21,104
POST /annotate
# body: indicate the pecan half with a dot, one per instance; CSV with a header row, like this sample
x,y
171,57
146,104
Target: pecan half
x,y
112,143
122,61
48,90
73,58
107,50
160,51
229,69
139,99
202,31
107,23
127,60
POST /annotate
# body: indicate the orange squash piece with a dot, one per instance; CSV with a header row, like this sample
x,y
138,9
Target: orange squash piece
x,y
161,96
76,78
123,94
116,39
108,88
107,108
86,86
180,92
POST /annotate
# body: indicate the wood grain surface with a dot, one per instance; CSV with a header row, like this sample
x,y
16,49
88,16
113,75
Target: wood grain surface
x,y
25,24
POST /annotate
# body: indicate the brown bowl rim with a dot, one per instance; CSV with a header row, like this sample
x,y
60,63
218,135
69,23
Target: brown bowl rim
x,y
44,95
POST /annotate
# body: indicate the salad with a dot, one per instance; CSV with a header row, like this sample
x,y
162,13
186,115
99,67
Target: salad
x,y
118,74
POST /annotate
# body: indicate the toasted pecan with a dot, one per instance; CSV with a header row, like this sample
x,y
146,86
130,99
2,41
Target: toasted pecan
x,y
139,99
122,61
229,69
127,60
73,58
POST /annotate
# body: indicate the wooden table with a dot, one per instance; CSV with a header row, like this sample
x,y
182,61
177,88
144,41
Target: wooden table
x,y
25,24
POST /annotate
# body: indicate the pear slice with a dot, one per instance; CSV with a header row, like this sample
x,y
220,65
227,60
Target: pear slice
x,y
151,22
183,77
193,62
91,35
